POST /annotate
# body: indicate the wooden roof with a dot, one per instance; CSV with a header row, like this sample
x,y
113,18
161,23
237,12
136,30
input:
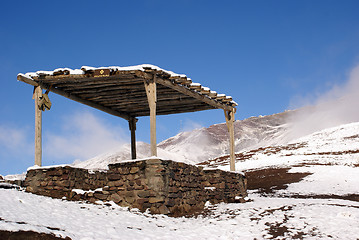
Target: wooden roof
x,y
120,91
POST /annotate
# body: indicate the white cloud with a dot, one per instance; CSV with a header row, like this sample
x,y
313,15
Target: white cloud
x,y
83,136
13,138
189,125
337,106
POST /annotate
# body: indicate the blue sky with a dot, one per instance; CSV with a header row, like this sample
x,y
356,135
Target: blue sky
x,y
268,55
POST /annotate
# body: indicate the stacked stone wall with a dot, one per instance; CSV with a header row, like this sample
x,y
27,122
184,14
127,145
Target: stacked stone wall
x,y
162,186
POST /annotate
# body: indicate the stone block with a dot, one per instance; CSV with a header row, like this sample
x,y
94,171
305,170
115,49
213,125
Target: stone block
x,y
141,201
100,196
134,170
155,199
115,198
163,210
114,177
143,194
124,170
130,199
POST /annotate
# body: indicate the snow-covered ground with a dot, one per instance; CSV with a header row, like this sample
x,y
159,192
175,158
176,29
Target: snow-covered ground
x,y
331,156
264,217
334,146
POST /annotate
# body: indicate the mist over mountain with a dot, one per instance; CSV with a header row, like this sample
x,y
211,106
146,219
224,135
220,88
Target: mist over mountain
x,y
206,143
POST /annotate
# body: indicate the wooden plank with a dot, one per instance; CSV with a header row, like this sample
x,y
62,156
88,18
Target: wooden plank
x,y
75,98
230,125
38,127
205,91
195,87
162,111
212,94
142,108
163,101
220,97
181,80
150,86
119,90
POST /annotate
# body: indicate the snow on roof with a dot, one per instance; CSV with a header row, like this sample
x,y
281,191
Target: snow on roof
x,y
143,67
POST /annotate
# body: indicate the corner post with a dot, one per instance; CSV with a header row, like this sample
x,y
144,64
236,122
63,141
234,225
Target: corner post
x,y
132,125
38,126
230,125
150,86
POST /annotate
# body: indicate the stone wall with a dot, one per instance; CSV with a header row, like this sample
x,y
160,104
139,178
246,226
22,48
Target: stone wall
x,y
162,186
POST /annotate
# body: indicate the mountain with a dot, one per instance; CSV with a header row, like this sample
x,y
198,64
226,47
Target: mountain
x,y
124,153
205,143
332,146
263,134
304,189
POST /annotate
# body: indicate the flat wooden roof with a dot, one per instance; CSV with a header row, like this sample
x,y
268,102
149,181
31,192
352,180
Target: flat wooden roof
x,y
120,91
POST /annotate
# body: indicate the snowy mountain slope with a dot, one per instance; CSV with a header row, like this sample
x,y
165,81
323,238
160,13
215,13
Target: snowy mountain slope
x,y
310,208
124,153
338,145
329,160
205,143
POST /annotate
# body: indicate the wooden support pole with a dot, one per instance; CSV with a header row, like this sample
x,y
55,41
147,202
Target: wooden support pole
x,y
132,125
230,125
150,86
38,127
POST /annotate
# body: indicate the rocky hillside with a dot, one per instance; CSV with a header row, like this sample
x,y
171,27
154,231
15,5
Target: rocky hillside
x,y
332,146
206,143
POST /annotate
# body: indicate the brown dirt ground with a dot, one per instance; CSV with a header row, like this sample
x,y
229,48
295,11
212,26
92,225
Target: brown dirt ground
x,y
267,181
28,235
270,179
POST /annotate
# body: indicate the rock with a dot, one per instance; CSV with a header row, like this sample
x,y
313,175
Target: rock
x,y
100,196
114,177
155,199
172,202
115,198
130,199
163,210
134,170
143,194
141,201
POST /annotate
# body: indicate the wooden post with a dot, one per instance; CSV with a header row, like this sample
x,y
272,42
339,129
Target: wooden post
x,y
132,125
150,86
230,125
38,127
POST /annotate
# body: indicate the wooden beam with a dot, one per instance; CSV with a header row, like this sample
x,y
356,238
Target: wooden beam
x,y
38,126
196,95
230,125
132,125
30,81
150,86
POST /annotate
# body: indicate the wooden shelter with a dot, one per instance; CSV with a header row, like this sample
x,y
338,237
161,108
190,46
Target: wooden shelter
x,y
129,93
